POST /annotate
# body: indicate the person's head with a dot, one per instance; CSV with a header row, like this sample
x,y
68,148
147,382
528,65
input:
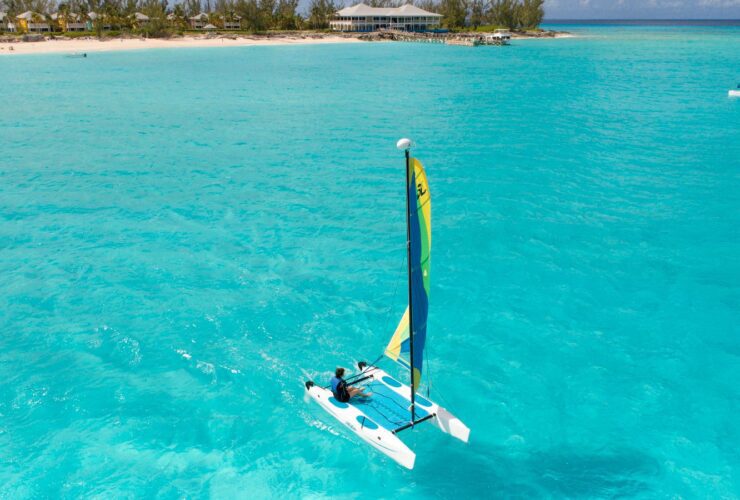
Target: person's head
x,y
339,372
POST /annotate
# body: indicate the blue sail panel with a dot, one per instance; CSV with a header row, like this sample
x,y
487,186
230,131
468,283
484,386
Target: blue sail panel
x,y
420,226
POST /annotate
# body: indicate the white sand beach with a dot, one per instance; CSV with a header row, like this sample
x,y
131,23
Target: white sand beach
x,y
87,45
90,44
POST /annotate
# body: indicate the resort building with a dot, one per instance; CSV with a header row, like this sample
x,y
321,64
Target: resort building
x,y
362,17
235,23
32,22
199,21
95,17
75,23
69,21
141,19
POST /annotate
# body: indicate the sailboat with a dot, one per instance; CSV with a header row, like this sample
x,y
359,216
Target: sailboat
x,y
394,406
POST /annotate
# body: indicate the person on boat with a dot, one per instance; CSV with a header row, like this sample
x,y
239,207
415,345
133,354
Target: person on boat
x,y
341,390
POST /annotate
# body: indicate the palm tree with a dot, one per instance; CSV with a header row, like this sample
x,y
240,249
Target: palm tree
x,y
62,16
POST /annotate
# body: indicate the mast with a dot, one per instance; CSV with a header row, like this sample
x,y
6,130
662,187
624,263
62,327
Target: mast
x,y
408,261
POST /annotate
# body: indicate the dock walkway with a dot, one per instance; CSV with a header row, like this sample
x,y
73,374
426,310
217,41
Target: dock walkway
x,y
462,39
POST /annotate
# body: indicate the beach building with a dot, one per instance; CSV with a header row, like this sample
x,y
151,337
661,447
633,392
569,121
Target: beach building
x,y
32,22
209,27
234,23
69,21
75,23
199,21
362,17
94,17
141,19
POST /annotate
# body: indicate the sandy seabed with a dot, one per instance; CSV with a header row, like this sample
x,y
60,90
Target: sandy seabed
x,y
80,46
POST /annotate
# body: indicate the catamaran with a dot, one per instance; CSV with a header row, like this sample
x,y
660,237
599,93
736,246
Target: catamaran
x,y
394,406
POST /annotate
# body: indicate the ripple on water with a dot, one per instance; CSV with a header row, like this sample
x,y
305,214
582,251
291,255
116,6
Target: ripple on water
x,y
176,261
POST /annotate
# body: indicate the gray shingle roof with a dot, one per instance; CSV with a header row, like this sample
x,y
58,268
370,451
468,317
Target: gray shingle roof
x,y
28,15
406,10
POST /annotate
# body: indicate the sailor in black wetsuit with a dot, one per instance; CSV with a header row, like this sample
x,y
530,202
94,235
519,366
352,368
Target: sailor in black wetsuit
x,y
342,392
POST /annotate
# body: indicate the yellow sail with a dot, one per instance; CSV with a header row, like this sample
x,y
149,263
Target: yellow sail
x,y
393,350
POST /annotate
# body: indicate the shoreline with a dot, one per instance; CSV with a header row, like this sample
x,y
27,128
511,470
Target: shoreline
x,y
91,44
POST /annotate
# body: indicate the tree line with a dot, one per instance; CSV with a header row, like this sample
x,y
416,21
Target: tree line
x,y
255,15
262,15
511,14
456,14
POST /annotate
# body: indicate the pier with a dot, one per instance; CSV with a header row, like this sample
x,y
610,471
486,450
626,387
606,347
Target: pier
x,y
461,39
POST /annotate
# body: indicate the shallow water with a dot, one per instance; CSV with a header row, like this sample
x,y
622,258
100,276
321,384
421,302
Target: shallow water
x,y
187,235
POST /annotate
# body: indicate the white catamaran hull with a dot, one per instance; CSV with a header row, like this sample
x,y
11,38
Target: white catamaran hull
x,y
382,439
393,407
733,93
443,419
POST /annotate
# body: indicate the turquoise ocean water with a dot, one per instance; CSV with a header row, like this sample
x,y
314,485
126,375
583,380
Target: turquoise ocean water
x,y
187,235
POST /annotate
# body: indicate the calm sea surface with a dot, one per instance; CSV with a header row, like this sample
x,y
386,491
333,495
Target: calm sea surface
x,y
188,235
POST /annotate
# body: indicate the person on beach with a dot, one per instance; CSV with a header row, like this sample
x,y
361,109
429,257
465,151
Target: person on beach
x,y
342,392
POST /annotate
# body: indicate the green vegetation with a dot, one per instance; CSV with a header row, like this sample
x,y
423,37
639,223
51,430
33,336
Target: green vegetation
x,y
511,14
102,17
162,20
465,14
320,12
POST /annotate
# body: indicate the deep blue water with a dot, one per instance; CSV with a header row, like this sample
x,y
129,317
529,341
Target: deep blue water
x,y
671,23
187,235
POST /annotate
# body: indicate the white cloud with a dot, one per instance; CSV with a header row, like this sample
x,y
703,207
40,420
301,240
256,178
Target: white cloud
x,y
720,3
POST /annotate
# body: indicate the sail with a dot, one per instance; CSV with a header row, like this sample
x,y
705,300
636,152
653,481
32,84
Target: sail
x,y
420,225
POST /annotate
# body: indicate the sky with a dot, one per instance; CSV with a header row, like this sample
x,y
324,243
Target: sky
x,y
642,9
